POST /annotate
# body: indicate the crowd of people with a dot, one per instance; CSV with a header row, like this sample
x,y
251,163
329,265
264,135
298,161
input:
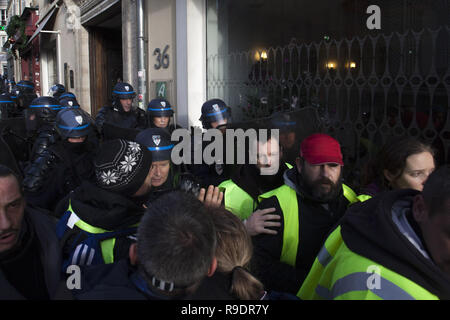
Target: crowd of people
x,y
104,195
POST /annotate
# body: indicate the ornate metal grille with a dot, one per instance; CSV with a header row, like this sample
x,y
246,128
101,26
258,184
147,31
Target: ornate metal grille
x,y
364,89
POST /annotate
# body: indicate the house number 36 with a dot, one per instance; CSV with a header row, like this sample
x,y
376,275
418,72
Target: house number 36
x,y
162,59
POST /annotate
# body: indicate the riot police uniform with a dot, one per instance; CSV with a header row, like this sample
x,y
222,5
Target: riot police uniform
x,y
64,165
161,108
40,118
56,91
158,141
215,115
116,115
25,94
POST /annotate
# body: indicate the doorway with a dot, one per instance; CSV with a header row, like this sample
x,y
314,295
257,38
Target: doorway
x,y
105,57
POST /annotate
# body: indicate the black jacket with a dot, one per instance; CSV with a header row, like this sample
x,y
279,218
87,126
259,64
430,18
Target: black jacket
x,y
101,209
56,172
369,230
316,220
116,281
249,179
49,252
134,119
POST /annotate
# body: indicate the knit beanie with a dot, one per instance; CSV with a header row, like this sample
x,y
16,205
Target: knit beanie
x,y
121,166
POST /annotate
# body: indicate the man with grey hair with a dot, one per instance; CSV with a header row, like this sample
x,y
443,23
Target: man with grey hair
x,y
175,249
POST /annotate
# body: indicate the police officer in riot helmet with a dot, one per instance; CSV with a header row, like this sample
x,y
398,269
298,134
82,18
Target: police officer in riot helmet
x,y
10,84
65,164
25,93
166,175
56,91
122,113
67,95
215,114
160,114
7,107
40,119
69,102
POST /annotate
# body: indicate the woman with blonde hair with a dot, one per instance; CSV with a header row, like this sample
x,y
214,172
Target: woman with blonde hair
x,y
232,279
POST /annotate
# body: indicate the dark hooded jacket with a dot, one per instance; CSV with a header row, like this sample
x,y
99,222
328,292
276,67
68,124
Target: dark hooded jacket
x,y
102,209
134,119
376,229
316,220
34,271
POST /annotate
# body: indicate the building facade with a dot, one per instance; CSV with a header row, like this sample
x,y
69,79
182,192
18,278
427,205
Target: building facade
x,y
368,68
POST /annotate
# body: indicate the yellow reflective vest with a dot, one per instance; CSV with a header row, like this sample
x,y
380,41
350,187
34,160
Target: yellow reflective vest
x,y
340,274
106,245
238,201
287,198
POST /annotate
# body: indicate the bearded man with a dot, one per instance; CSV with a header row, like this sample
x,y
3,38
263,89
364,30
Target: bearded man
x,y
311,201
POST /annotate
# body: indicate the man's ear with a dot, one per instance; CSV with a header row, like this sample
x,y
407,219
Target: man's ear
x,y
212,267
298,162
132,252
389,176
420,211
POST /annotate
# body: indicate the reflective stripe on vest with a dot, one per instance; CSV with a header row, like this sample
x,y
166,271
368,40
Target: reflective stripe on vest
x,y
349,194
340,274
107,245
364,197
237,200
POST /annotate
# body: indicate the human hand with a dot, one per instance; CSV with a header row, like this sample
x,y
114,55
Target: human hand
x,y
260,219
211,198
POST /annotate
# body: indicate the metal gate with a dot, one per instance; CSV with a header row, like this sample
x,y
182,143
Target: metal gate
x,y
364,89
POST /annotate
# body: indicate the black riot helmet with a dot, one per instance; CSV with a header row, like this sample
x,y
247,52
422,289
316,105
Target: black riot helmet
x,y
158,108
7,106
73,123
158,141
25,86
69,102
46,108
66,95
215,110
122,90
56,90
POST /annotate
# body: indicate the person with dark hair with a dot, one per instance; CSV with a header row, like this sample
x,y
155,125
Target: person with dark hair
x,y
30,258
63,165
402,163
175,248
122,114
311,201
99,219
395,246
249,182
